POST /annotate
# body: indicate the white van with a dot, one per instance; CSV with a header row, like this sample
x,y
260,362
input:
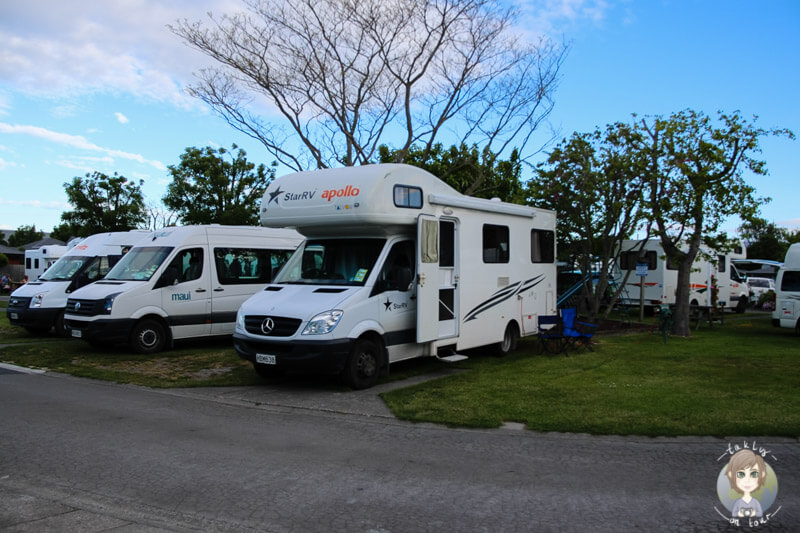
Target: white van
x,y
396,264
39,305
40,259
661,281
180,282
787,293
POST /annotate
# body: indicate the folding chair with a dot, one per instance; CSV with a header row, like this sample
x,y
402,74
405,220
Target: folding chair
x,y
576,333
551,338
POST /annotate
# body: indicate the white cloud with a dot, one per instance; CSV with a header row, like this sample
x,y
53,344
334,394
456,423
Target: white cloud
x,y
38,204
76,141
6,164
121,118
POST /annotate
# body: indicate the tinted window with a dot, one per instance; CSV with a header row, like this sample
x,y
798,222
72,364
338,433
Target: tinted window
x,y
248,265
543,246
406,196
791,281
495,244
628,260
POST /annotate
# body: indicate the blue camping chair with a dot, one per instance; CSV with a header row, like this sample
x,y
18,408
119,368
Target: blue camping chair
x,y
551,334
576,334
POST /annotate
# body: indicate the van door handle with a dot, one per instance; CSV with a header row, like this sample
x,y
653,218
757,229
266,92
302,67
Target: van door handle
x,y
219,289
200,290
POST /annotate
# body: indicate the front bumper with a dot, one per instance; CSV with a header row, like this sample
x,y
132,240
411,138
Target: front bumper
x,y
103,331
40,318
307,356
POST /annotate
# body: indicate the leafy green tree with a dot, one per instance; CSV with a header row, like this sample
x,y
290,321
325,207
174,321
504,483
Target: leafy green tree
x,y
64,232
217,186
694,183
765,240
469,170
594,182
103,203
24,235
3,260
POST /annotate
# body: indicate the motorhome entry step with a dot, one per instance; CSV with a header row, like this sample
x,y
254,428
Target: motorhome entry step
x,y
453,358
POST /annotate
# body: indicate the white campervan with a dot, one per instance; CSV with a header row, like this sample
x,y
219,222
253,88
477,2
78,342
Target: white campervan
x,y
396,264
787,293
39,305
40,259
661,281
180,282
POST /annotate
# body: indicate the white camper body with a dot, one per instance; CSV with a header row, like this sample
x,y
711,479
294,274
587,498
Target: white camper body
x,y
39,305
787,291
40,259
661,282
180,282
396,264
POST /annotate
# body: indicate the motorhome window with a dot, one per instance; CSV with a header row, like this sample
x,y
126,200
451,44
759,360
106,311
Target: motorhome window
x,y
721,263
237,266
629,259
672,263
187,265
405,196
495,244
36,263
398,269
791,281
28,262
140,263
65,268
543,246
447,242
332,262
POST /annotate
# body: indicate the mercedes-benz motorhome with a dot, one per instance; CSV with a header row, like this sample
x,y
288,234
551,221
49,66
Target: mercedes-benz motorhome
x,y
661,281
396,264
787,291
180,282
39,305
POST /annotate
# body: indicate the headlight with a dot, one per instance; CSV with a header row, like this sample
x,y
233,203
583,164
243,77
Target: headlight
x,y
108,302
36,301
239,320
323,323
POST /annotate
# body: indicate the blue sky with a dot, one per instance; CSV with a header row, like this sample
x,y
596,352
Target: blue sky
x,y
99,86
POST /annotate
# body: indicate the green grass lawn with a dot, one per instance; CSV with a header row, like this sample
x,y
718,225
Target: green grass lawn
x,y
740,379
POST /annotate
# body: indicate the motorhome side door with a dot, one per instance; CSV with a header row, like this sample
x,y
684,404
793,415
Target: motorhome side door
x,y
437,280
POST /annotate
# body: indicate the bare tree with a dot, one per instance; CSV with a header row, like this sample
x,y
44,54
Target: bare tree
x,y
159,217
348,76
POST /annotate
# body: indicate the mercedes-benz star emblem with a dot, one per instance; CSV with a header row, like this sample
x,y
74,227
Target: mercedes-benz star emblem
x,y
267,326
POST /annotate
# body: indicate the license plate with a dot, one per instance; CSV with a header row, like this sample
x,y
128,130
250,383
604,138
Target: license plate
x,y
76,333
266,359
14,316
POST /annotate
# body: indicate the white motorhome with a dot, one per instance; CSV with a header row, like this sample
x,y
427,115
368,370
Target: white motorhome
x,y
787,293
661,281
396,264
180,282
38,260
39,305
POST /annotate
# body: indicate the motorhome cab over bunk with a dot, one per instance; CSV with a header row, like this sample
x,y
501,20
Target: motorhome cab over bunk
x,y
181,282
39,305
661,282
396,264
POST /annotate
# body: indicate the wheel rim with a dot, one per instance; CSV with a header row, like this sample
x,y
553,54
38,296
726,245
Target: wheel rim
x,y
148,338
367,364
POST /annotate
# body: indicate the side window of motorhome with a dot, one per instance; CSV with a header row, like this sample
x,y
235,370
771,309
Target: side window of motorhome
x,y
495,244
398,270
791,281
406,196
248,265
721,264
543,246
187,265
628,260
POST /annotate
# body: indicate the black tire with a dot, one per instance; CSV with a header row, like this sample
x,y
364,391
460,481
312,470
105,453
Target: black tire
x,y
742,305
267,371
509,342
148,336
797,328
363,365
58,325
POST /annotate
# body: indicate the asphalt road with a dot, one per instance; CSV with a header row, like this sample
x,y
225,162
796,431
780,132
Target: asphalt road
x,y
83,455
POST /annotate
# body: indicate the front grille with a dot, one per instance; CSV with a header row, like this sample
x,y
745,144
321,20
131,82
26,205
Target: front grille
x,y
19,302
282,326
85,307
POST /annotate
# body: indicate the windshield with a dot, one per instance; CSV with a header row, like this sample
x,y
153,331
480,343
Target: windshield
x,y
140,263
332,262
65,268
759,282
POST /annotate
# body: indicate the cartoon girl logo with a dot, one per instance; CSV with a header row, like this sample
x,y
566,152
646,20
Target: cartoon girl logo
x,y
747,486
